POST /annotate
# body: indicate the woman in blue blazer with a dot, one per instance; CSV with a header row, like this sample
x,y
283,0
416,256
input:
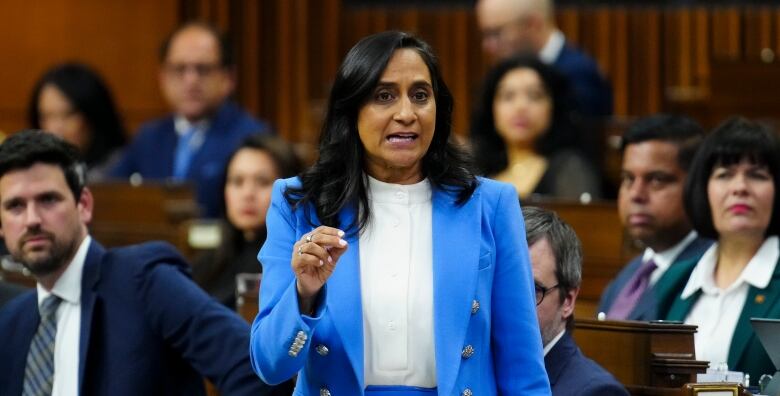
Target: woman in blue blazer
x,y
389,268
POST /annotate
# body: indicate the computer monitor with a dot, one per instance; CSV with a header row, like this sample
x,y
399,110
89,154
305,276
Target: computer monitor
x,y
768,331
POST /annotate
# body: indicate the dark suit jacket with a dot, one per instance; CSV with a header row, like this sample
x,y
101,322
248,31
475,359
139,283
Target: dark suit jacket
x,y
146,329
8,291
591,90
746,353
151,153
655,302
571,373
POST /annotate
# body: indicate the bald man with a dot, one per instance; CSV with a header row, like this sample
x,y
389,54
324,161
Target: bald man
x,y
516,26
194,142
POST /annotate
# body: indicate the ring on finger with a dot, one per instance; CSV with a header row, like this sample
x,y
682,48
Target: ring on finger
x,y
308,238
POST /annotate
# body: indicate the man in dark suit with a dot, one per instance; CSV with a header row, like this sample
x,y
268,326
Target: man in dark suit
x,y
514,26
125,321
657,152
556,259
193,143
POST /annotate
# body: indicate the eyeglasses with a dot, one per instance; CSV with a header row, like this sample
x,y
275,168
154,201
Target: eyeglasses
x,y
542,291
179,70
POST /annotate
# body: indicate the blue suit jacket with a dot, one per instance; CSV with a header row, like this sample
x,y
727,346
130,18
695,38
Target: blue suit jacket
x,y
9,291
591,90
152,151
655,302
479,253
146,329
571,373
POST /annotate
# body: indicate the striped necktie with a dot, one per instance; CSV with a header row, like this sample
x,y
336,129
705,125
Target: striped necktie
x,y
39,373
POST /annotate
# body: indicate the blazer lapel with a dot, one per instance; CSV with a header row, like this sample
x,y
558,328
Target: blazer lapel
x,y
680,308
758,302
89,280
27,325
653,304
344,300
670,285
558,357
456,249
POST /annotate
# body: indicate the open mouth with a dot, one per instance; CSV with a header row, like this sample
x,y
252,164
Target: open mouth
x,y
401,137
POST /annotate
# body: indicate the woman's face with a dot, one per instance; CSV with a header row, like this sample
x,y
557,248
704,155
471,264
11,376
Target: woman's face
x,y
741,197
57,115
250,178
522,107
397,122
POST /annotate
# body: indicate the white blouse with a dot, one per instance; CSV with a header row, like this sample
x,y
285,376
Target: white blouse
x,y
717,310
396,284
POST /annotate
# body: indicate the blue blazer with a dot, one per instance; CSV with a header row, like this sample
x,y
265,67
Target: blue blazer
x,y
591,90
571,373
146,329
655,302
152,151
479,253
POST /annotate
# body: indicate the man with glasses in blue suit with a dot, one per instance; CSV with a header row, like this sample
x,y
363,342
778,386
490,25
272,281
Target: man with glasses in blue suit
x,y
556,259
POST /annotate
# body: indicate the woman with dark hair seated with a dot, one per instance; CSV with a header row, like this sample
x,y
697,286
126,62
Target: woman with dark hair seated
x,y
390,268
72,101
522,132
250,173
731,196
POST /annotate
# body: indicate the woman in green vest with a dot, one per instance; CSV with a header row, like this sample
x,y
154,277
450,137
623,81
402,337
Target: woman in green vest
x,y
730,197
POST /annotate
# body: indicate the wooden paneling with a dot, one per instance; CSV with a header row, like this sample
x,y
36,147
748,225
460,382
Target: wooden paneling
x,y
118,38
605,248
658,58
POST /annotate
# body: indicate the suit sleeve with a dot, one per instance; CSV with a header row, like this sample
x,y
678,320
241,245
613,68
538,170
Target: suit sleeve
x,y
516,339
127,162
279,323
213,339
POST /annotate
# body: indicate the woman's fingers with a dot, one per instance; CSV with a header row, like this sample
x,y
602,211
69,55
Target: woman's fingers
x,y
324,243
314,258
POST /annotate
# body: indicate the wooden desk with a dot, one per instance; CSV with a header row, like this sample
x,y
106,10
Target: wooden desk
x,y
648,358
125,214
605,246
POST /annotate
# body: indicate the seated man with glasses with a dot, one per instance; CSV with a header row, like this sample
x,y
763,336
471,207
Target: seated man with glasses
x,y
194,142
556,258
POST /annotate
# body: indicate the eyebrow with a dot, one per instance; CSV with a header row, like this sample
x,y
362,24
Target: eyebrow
x,y
417,83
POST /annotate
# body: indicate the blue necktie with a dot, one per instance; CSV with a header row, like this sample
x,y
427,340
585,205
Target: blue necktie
x,y
39,373
184,154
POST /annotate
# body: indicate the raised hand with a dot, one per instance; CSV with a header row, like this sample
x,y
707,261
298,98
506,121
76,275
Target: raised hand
x,y
314,258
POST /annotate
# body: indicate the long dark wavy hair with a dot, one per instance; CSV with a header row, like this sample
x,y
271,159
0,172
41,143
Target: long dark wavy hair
x,y
490,149
90,97
336,179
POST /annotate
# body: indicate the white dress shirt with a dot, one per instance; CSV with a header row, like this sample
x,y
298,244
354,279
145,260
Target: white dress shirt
x,y
552,48
664,259
717,310
66,342
396,284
